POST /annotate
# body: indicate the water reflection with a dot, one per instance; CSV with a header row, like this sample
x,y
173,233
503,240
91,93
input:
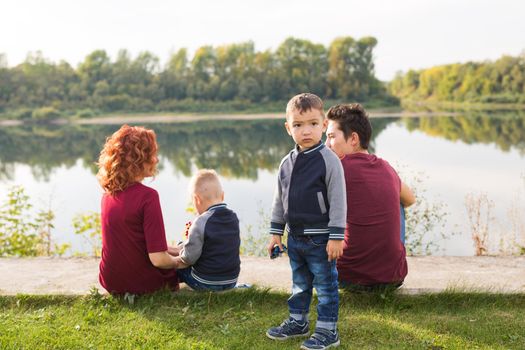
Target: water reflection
x,y
236,149
58,162
504,130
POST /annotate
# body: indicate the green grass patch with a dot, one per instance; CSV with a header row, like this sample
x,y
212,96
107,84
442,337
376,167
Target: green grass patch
x,y
239,319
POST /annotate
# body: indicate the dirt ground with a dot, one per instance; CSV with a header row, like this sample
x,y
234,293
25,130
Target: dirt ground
x,y
77,276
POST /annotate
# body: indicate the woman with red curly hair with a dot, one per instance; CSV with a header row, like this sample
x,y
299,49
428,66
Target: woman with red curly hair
x,y
135,256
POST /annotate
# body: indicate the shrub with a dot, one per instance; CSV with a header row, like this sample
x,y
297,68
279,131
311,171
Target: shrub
x,y
88,226
138,104
500,98
116,102
86,113
23,114
22,233
45,114
423,218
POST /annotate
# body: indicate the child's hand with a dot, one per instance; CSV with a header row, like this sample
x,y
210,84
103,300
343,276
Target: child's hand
x,y
174,250
334,248
276,239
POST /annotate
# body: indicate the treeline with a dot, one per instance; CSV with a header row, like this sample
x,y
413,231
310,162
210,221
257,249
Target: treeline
x,y
501,81
234,76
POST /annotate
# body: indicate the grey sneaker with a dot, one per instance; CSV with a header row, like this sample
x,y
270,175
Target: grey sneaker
x,y
290,328
321,339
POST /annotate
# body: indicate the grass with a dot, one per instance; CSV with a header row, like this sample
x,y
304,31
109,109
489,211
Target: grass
x,y
239,319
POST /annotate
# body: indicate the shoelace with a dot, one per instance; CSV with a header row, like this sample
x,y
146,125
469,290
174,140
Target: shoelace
x,y
288,324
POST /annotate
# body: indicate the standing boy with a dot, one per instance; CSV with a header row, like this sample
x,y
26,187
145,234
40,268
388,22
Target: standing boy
x,y
310,202
209,258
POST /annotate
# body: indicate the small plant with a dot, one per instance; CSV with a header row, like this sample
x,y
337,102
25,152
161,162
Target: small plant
x,y
23,233
88,226
17,228
479,208
515,241
130,298
253,244
255,238
423,218
45,221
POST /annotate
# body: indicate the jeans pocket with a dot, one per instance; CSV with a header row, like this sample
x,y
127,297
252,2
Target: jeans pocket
x,y
319,240
322,205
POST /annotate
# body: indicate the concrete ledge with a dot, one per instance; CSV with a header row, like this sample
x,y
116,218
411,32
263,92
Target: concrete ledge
x,y
427,274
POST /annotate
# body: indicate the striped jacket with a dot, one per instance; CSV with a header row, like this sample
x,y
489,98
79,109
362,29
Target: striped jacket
x,y
310,197
212,247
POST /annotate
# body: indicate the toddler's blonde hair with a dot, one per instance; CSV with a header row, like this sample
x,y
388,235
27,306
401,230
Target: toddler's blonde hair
x,y
205,183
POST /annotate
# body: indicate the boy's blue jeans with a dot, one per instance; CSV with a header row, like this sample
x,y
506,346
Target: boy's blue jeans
x,y
311,269
186,277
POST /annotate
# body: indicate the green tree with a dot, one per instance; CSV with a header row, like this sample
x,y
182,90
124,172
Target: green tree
x,y
272,82
351,68
234,64
6,85
96,67
234,74
201,84
174,79
304,65
500,81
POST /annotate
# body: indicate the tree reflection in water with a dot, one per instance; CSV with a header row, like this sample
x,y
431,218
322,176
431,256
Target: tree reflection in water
x,y
236,149
505,130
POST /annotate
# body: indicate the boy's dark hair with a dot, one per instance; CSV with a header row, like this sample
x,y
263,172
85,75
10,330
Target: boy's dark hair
x,y
352,118
303,103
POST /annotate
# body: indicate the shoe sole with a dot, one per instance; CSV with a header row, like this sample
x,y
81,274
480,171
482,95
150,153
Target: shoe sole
x,y
287,337
336,344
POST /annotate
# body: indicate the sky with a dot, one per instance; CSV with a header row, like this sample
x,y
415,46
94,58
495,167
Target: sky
x,y
411,34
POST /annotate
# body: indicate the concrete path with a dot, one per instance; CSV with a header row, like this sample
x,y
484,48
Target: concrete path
x,y
426,274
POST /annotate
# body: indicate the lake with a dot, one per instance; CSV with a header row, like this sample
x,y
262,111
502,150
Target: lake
x,y
446,159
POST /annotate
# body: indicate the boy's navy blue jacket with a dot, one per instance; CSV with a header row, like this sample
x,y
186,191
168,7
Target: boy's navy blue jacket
x,y
212,247
311,194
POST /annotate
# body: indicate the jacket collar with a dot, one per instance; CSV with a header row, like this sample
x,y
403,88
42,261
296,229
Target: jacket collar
x,y
216,206
312,149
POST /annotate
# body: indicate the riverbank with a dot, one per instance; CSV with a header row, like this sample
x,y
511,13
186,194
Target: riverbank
x,y
407,109
77,276
429,105
118,119
168,118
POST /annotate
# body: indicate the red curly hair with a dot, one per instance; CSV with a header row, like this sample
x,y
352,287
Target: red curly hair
x,y
129,155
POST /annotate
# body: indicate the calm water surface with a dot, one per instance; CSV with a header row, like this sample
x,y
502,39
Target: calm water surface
x,y
453,156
